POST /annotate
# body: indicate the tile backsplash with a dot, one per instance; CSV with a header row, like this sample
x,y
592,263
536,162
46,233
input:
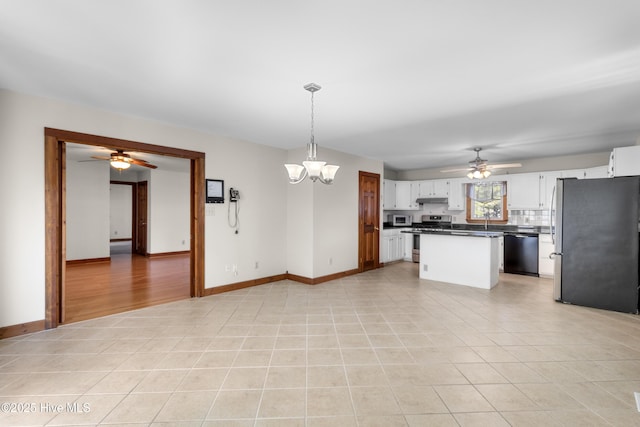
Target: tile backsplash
x,y
529,217
516,217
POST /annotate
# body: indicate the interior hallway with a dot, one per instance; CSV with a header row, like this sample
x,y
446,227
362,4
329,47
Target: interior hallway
x,y
378,348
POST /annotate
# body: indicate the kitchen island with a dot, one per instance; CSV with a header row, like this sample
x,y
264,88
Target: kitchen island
x,y
469,258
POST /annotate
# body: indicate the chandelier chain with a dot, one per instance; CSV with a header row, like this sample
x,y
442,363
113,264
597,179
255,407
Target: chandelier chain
x,y
312,138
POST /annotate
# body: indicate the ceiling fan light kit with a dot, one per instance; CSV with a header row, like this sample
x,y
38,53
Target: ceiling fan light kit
x,y
316,170
478,174
479,169
121,161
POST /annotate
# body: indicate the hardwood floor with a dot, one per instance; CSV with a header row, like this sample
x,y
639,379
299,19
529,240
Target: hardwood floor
x,y
126,283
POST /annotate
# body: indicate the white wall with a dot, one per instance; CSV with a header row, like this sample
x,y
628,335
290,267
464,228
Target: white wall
x,y
300,218
256,170
169,225
120,211
322,235
87,210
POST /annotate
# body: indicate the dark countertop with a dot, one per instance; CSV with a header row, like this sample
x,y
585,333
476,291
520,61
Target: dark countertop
x,y
520,229
463,233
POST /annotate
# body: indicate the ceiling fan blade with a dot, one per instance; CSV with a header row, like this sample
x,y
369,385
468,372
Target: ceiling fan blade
x,y
505,166
456,170
101,158
143,163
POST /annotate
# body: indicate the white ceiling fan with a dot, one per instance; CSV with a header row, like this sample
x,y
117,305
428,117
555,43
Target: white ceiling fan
x,y
479,168
121,160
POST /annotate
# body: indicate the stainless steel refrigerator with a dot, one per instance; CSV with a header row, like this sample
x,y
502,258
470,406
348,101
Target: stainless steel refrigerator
x,y
596,242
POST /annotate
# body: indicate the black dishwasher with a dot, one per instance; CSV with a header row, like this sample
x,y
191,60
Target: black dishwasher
x,y
521,253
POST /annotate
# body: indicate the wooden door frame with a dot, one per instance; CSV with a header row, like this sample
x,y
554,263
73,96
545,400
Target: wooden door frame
x,y
55,210
361,223
136,248
134,209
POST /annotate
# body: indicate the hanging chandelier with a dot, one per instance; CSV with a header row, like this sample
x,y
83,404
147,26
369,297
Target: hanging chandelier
x,y
317,170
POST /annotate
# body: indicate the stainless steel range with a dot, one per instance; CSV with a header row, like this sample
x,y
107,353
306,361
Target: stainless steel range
x,y
431,222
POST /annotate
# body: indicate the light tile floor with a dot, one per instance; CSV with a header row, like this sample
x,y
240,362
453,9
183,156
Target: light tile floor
x,y
381,348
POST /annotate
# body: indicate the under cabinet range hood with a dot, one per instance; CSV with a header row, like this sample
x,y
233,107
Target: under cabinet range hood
x,y
432,200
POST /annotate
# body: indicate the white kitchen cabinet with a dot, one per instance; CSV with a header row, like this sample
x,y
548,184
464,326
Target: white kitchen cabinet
x,y
547,185
393,245
457,194
399,253
408,245
399,195
434,188
596,172
403,195
415,193
406,195
385,246
573,173
523,191
545,264
501,252
388,194
625,161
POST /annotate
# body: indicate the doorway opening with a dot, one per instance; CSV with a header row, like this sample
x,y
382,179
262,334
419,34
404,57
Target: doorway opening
x,y
123,217
55,211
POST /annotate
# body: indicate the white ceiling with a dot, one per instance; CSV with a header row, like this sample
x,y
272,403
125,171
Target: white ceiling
x,y
415,83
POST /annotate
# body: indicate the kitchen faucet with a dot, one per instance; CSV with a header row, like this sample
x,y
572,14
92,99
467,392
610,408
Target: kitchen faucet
x,y
486,219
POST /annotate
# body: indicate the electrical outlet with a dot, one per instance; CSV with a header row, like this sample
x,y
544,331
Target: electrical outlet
x,y
257,265
425,267
183,242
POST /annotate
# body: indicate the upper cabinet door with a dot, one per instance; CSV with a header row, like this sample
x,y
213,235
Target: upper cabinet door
x,y
457,194
388,194
434,188
573,173
547,185
597,172
441,188
415,193
523,191
405,195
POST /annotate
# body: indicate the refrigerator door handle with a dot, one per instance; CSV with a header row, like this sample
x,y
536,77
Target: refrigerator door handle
x,y
553,255
551,203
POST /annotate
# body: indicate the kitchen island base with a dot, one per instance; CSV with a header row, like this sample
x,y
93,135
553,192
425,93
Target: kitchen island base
x,y
460,259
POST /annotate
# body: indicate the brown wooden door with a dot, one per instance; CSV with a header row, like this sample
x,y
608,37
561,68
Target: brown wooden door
x,y
141,221
369,218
